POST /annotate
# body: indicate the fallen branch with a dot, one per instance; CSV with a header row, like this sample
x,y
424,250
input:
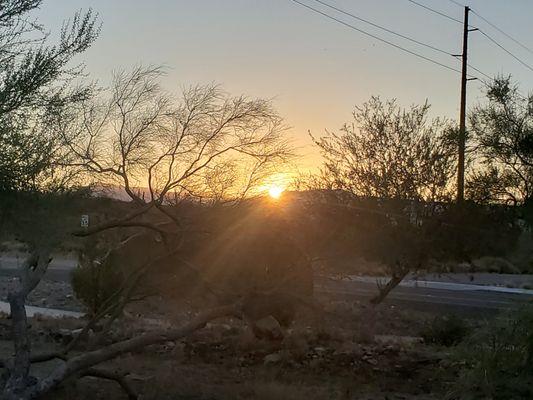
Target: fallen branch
x,y
39,358
112,376
85,361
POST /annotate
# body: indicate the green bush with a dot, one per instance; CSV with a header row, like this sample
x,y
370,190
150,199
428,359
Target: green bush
x,y
496,360
445,330
94,281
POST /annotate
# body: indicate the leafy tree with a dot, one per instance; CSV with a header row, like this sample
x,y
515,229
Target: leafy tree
x,y
392,171
384,164
34,86
502,135
137,136
390,152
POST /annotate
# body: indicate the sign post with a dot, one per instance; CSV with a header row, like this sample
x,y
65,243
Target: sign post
x,y
84,221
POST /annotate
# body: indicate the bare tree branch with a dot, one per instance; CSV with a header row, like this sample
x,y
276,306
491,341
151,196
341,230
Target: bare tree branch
x,y
84,361
113,376
142,137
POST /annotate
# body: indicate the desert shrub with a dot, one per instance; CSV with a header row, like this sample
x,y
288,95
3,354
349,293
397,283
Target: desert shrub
x,y
496,360
36,219
496,265
445,330
97,278
94,283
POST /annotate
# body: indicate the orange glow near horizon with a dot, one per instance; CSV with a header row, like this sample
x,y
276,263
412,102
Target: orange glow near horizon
x,y
274,185
275,191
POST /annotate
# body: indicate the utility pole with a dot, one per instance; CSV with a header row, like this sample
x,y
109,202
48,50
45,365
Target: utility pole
x,y
462,115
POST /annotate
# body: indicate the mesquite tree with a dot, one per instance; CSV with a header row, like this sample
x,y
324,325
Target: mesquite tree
x,y
34,85
502,142
158,148
137,135
390,152
388,168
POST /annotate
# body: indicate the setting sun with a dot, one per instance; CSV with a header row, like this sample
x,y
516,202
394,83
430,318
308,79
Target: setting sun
x,y
275,191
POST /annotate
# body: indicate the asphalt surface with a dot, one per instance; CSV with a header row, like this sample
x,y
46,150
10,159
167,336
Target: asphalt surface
x,y
59,269
467,302
455,299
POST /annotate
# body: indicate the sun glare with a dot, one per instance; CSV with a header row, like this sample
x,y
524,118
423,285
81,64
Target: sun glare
x,y
275,191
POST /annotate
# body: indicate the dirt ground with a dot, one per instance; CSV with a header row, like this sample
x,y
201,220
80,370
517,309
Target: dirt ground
x,y
320,359
48,293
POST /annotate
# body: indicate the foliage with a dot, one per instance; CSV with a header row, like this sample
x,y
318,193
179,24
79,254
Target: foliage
x,y
394,168
138,136
445,330
496,360
34,88
336,227
471,231
392,153
39,218
492,185
502,134
95,280
202,144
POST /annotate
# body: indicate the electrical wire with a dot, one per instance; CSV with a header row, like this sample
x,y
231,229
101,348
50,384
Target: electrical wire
x,y
490,78
490,38
436,11
457,3
383,28
505,50
494,26
502,31
479,71
376,37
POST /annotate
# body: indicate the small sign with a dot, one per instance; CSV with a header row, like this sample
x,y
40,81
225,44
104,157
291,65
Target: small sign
x,y
84,221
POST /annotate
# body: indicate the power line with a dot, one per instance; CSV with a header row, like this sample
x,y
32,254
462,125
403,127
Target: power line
x,y
489,23
383,28
436,11
376,37
457,3
490,78
505,50
480,72
479,30
477,70
502,32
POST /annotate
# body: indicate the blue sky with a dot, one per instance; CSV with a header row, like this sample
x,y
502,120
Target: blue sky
x,y
316,70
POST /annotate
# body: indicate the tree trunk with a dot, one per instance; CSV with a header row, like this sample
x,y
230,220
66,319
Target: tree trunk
x,y
85,361
19,368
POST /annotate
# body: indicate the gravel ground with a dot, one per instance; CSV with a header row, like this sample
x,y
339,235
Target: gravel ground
x,y
50,294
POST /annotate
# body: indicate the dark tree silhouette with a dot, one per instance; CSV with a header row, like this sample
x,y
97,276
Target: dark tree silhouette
x,y
502,142
34,86
390,152
140,136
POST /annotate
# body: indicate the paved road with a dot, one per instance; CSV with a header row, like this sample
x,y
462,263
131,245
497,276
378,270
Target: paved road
x,y
32,311
449,298
58,262
59,269
468,302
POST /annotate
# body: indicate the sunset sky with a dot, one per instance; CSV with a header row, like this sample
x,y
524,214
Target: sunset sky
x,y
314,68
